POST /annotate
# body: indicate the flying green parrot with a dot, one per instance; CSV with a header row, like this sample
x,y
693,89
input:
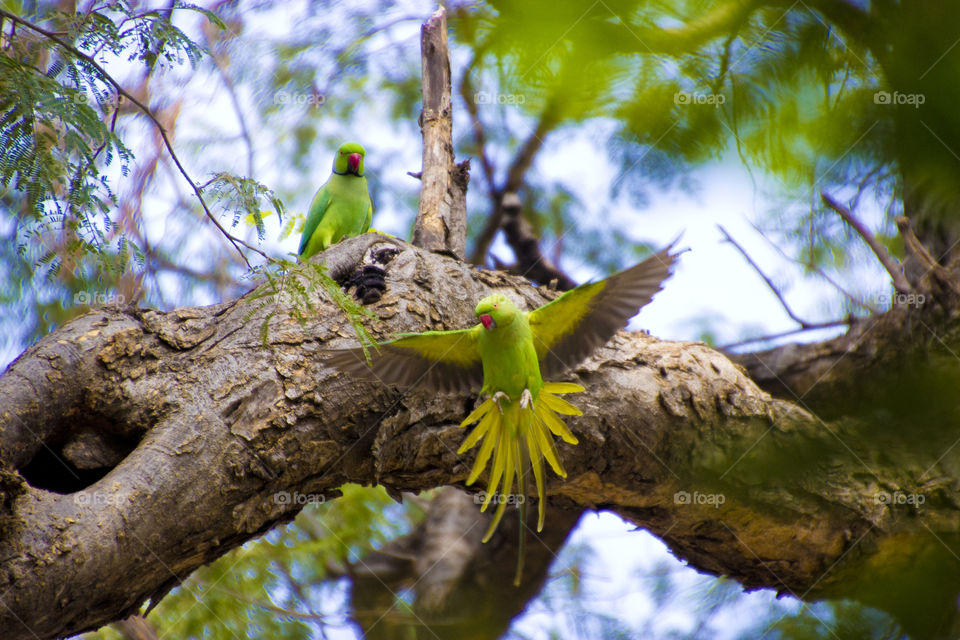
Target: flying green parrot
x,y
507,355
341,208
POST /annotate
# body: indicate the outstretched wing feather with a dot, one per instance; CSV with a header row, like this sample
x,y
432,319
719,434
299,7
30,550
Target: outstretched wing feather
x,y
573,326
446,361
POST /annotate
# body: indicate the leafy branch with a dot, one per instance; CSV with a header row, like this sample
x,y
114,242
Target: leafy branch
x,y
243,195
88,61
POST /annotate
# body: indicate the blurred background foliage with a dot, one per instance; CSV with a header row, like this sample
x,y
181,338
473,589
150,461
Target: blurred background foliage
x,y
853,98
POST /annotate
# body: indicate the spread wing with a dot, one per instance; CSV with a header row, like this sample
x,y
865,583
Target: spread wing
x,y
438,360
574,325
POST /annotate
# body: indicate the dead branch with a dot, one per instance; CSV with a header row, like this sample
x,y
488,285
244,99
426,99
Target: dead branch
x,y
441,223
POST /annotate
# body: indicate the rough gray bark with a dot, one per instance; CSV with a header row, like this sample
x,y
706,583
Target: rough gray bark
x,y
226,422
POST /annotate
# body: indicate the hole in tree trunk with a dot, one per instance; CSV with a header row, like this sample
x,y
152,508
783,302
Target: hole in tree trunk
x,y
77,462
51,471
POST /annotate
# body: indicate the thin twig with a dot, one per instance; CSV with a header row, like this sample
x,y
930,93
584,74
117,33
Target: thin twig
x,y
717,83
820,272
790,332
773,287
862,185
90,164
235,101
889,262
300,593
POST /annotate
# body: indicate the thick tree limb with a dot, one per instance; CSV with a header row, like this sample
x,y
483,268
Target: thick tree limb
x,y
227,422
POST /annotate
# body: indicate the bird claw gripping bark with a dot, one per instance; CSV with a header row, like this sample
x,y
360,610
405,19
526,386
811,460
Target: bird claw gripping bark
x,y
526,399
497,397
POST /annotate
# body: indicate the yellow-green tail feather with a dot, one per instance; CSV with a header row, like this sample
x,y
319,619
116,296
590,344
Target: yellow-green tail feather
x,y
503,428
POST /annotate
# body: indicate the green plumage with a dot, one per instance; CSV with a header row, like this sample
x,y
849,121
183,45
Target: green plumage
x,y
341,208
507,355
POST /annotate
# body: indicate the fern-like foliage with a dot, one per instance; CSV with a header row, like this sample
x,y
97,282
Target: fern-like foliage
x,y
62,152
241,197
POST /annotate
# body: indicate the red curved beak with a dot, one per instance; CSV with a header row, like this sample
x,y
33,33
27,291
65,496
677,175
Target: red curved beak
x,y
487,320
353,163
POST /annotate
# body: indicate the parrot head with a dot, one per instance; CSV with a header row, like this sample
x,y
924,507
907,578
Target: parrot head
x,y
349,159
495,311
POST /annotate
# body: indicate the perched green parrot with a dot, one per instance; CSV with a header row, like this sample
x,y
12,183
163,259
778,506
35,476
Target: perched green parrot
x,y
507,355
342,207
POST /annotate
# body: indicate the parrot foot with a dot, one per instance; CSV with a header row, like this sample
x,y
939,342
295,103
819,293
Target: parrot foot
x,y
526,399
497,397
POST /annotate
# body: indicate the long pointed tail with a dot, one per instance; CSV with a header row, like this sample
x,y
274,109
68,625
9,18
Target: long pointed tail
x,y
522,498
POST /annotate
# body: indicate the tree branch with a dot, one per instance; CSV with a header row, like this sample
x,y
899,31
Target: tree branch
x,y
479,135
441,223
934,277
220,423
451,572
515,174
889,262
136,628
820,272
784,334
530,261
776,291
